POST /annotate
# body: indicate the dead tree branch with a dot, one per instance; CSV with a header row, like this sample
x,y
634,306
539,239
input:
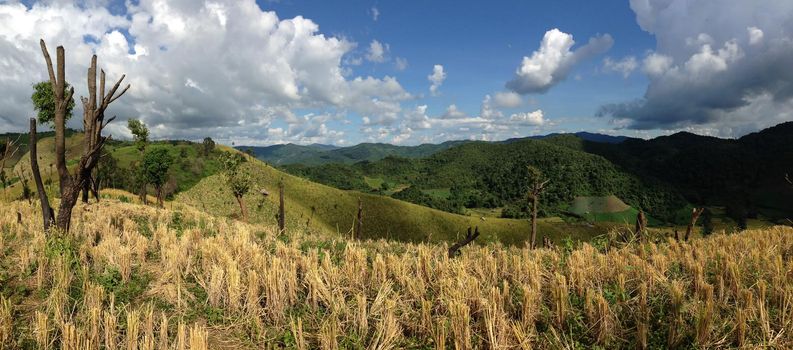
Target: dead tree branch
x,y
48,216
469,237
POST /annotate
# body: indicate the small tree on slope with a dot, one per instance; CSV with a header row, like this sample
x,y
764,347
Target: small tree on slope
x,y
140,135
155,167
238,181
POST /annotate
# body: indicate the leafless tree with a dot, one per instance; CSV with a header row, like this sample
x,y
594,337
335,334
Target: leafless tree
x,y
536,187
281,209
641,224
94,107
358,221
695,213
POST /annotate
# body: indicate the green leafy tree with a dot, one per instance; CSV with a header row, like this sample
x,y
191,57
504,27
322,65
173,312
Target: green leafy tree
x,y
238,180
44,103
155,167
140,133
108,174
209,146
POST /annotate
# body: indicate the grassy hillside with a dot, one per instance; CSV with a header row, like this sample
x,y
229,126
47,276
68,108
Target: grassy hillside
x,y
490,175
326,208
129,276
323,154
20,141
117,166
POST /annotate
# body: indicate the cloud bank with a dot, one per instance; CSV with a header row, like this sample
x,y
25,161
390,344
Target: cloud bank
x,y
720,64
225,68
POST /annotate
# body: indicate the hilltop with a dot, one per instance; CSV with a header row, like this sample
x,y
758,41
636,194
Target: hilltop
x,y
317,206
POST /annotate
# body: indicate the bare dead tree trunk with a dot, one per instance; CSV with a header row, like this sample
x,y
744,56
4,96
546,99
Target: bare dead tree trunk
x,y
695,213
470,237
86,189
93,121
356,233
547,243
162,204
641,224
95,188
534,195
48,217
143,196
7,154
281,209
243,208
533,222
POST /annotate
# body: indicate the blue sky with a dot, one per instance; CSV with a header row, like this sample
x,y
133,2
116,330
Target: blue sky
x,y
411,72
480,44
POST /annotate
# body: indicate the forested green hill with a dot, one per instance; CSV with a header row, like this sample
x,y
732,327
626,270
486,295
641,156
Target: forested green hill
x,y
492,175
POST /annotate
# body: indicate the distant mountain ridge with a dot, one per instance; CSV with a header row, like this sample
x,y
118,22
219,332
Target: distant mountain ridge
x,y
318,154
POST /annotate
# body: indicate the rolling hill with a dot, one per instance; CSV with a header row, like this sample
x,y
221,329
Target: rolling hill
x,y
195,182
491,175
322,207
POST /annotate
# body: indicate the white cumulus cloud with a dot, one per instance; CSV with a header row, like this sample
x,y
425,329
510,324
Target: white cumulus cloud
x,y
535,118
755,35
625,66
507,99
377,52
436,78
227,67
552,62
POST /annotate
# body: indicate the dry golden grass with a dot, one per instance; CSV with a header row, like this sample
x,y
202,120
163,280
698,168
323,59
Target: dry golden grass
x,y
135,277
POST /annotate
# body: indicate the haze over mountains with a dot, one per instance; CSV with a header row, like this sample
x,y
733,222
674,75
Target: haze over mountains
x,y
316,154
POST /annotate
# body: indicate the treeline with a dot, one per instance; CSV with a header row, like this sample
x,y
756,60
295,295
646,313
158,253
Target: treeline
x,y
187,163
